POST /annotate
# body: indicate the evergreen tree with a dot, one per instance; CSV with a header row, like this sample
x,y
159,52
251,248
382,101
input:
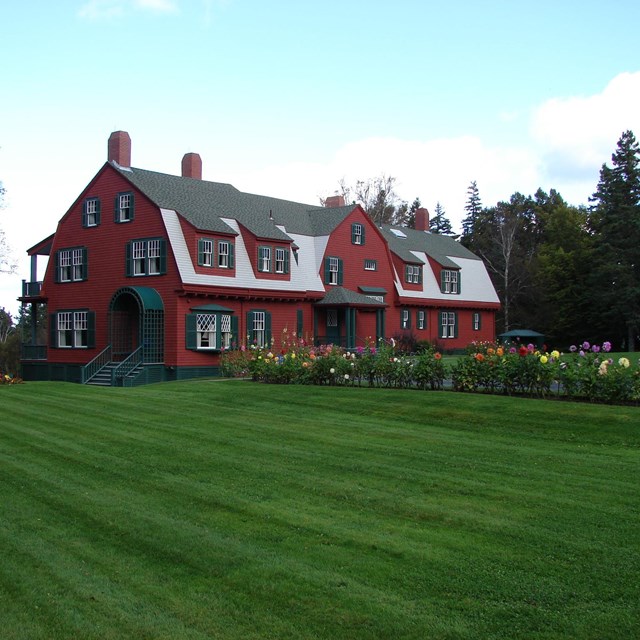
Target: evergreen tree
x,y
473,209
615,224
440,223
411,216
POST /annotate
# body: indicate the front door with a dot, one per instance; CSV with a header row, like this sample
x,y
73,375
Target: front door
x,y
333,327
125,326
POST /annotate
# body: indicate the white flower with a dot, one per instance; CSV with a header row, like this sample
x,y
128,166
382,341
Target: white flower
x,y
332,370
624,362
346,376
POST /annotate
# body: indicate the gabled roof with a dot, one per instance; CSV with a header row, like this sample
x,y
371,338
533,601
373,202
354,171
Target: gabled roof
x,y
205,204
403,242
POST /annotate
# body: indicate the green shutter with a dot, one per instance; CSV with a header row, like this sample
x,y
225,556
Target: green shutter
x,y
455,324
234,332
128,260
132,208
231,263
340,271
267,328
200,251
98,211
406,272
56,277
91,329
286,260
84,213
459,282
249,330
353,233
441,282
327,272
191,331
362,233
163,256
420,274
116,202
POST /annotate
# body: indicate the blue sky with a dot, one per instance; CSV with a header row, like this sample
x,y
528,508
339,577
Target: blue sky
x,y
287,98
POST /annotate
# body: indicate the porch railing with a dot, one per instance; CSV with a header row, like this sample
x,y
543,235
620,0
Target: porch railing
x,y
92,367
31,289
133,360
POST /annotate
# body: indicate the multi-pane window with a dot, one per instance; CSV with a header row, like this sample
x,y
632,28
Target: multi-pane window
x,y
450,281
223,255
476,321
413,273
447,324
280,260
405,319
370,265
146,257
259,328
334,268
72,329
124,207
357,233
71,265
154,264
205,253
206,328
64,265
226,333
210,329
264,259
420,320
91,212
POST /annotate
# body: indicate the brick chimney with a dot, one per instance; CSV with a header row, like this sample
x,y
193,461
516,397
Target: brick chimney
x,y
422,219
192,166
334,201
120,148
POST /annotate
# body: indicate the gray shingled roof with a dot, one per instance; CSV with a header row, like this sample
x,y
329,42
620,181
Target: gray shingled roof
x,y
337,296
434,245
203,204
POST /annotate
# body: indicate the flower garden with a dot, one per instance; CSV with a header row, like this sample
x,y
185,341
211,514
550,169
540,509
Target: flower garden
x,y
586,372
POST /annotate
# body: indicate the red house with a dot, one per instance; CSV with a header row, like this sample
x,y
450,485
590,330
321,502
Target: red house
x,y
150,276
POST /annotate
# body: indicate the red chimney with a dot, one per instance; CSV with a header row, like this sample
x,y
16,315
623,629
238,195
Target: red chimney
x,y
120,148
192,166
422,219
334,201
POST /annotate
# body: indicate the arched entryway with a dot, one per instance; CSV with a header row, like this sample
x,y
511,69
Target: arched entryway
x,y
136,319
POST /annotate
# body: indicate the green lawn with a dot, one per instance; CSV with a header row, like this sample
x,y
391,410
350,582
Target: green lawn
x,y
227,509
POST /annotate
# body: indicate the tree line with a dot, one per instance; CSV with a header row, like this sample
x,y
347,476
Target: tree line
x,y
569,272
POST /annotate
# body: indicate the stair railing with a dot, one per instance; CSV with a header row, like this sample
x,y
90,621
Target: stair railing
x,y
93,366
126,366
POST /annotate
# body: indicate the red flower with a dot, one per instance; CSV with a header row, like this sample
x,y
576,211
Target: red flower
x,y
479,357
437,356
523,351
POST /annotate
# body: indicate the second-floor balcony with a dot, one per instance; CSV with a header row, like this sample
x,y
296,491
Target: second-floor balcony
x,y
31,289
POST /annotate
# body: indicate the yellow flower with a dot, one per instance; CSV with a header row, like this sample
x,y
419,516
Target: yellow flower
x,y
624,362
544,359
555,354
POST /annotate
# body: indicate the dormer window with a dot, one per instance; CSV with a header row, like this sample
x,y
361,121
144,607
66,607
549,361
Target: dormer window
x,y
264,259
413,274
450,281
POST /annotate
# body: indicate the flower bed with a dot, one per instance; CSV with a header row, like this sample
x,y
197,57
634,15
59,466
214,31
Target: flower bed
x,y
585,373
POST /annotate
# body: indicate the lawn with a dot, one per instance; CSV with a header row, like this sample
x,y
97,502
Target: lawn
x,y
227,509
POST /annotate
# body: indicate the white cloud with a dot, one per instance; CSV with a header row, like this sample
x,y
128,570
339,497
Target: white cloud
x,y
576,135
161,6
